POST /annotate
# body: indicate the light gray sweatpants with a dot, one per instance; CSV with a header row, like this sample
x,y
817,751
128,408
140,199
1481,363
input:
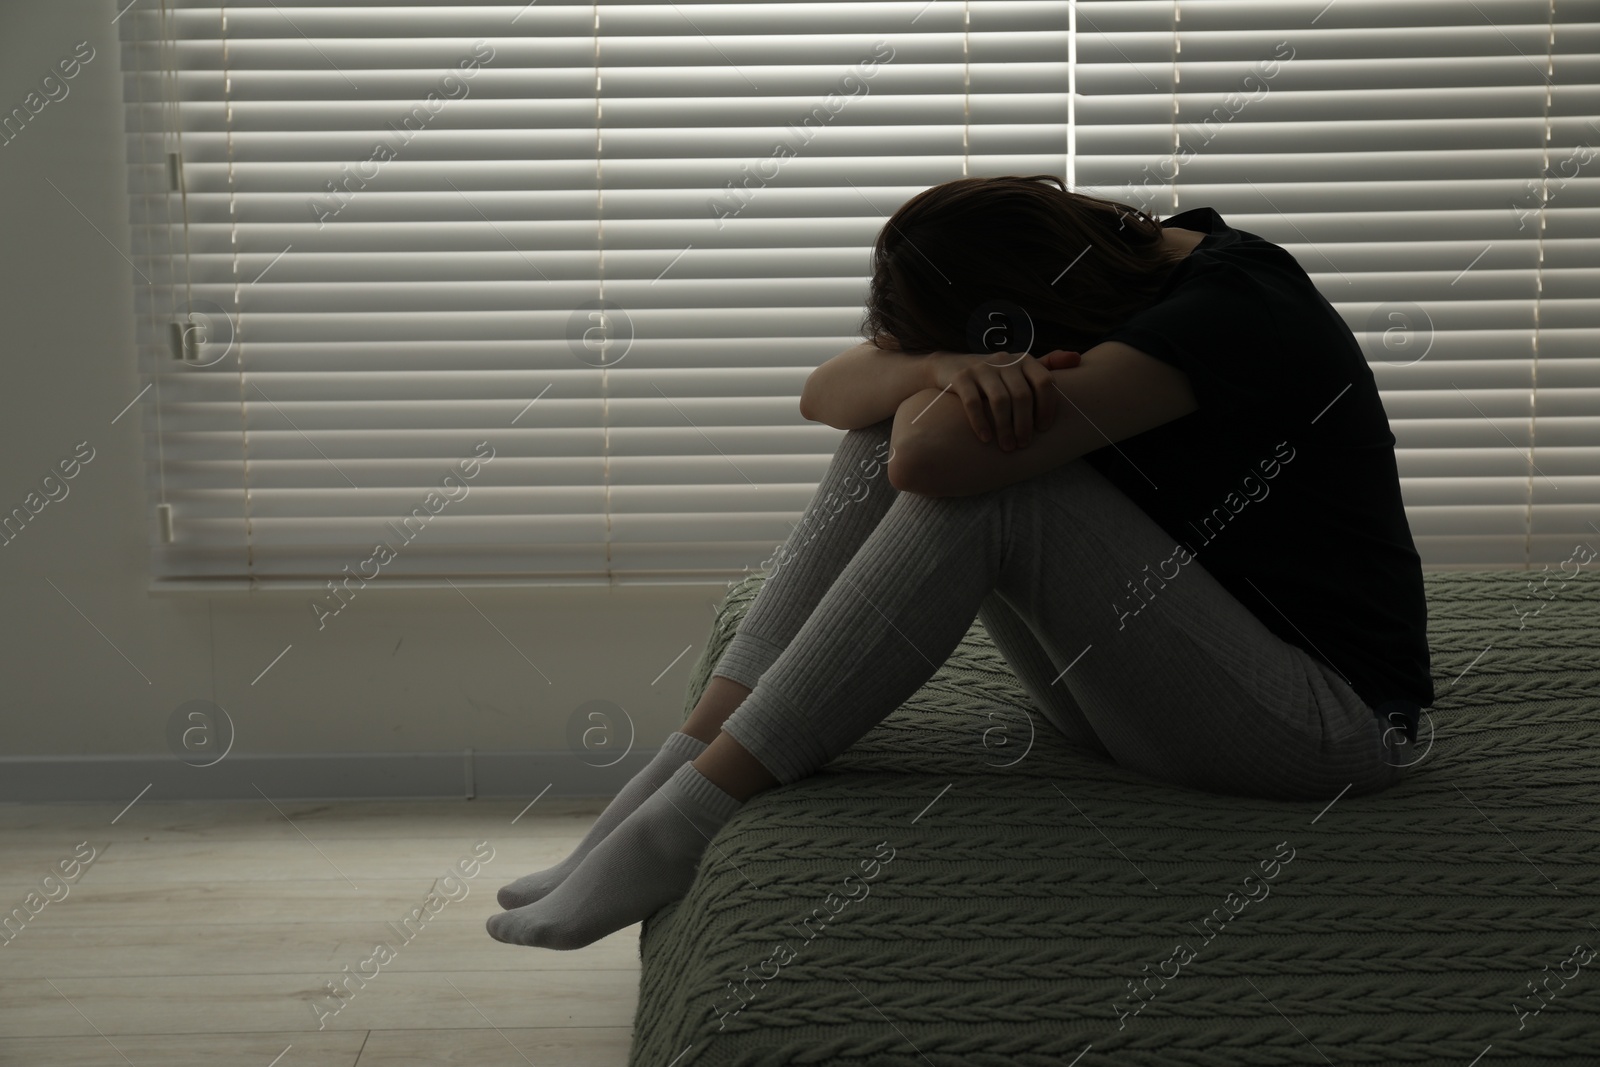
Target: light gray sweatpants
x,y
875,588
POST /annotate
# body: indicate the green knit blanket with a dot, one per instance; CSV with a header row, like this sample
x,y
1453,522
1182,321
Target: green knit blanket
x,y
953,892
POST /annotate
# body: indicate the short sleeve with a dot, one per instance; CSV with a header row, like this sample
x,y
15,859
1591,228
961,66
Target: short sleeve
x,y
1228,332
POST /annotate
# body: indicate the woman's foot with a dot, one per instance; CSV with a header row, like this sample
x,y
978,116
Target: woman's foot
x,y
679,748
647,861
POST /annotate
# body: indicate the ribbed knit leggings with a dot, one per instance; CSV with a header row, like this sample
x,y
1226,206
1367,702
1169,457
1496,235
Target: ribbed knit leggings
x,y
876,587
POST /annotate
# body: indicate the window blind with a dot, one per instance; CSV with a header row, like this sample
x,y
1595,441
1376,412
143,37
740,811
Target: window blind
x,y
528,292
710,176
1429,165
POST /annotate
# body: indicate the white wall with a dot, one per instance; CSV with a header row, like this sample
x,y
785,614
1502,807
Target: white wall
x,y
399,671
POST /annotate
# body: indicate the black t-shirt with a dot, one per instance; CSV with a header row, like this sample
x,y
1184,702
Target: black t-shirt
x,y
1283,483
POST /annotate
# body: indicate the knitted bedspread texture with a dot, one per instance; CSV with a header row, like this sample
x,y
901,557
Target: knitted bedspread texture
x,y
963,887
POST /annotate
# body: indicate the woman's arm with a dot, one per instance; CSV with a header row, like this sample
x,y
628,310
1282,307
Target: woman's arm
x,y
1116,392
863,386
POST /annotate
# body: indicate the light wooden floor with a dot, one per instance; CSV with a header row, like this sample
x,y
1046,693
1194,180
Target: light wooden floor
x,y
202,932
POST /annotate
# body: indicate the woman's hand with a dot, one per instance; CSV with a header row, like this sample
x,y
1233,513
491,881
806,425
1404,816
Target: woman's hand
x,y
1007,395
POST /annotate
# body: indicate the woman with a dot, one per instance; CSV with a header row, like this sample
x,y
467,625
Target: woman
x,y
1221,476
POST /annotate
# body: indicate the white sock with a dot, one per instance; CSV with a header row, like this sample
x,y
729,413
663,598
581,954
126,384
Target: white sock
x,y
679,748
649,860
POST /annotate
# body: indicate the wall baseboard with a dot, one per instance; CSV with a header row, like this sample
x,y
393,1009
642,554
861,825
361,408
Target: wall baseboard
x,y
306,776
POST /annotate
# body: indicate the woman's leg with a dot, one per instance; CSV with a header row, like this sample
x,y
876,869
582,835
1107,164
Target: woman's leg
x,y
732,767
1182,683
853,495
926,566
1038,671
850,501
1195,690
1192,689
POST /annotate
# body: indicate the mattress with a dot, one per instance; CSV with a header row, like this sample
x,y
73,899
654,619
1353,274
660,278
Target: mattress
x,y
963,887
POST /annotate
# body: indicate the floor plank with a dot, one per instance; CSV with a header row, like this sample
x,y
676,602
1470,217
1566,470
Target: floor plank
x,y
229,903
327,1049
445,943
43,1007
205,934
48,823
592,1047
350,860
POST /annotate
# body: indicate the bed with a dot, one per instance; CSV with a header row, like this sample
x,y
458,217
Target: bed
x,y
964,888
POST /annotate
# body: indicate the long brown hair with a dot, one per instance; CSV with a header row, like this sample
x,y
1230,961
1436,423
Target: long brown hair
x,y
1056,268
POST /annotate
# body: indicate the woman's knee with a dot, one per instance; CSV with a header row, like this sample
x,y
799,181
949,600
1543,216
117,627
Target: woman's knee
x,y
862,458
867,439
